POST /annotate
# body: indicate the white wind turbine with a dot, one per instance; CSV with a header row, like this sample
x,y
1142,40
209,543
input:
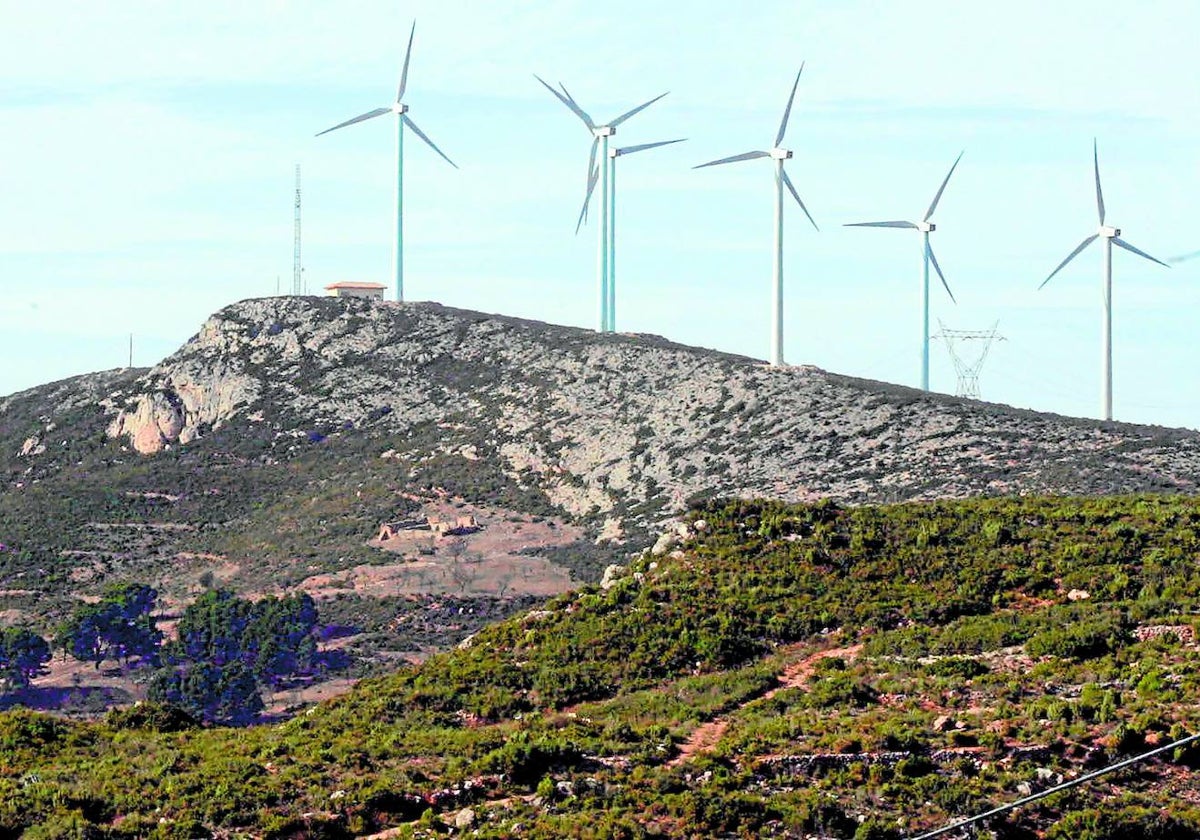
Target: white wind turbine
x,y
926,227
779,155
608,317
1111,236
402,119
600,140
613,154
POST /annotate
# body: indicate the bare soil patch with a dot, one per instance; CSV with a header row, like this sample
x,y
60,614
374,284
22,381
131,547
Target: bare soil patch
x,y
795,675
498,559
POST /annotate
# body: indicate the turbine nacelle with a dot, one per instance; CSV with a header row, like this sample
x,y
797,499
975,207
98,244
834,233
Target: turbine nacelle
x,y
780,154
926,227
605,130
399,109
1109,232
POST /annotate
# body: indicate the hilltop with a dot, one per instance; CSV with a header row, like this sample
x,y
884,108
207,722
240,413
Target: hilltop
x,y
791,671
265,453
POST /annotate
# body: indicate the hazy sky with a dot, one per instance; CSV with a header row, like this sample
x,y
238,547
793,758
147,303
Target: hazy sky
x,y
149,150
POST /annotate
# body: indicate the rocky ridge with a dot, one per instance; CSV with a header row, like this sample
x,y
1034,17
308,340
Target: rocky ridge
x,y
603,422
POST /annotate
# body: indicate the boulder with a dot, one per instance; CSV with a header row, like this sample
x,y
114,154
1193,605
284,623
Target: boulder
x,y
612,573
32,446
664,543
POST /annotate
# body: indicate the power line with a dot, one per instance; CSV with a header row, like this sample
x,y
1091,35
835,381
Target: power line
x,y
967,365
995,812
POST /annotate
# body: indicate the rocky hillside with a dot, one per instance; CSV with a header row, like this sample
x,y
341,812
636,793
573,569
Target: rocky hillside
x,y
263,456
611,423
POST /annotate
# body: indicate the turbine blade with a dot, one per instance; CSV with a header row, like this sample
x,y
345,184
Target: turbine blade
x,y
1184,257
370,115
938,269
569,102
587,118
787,112
629,150
408,121
1099,192
592,160
407,57
1123,244
734,159
1070,257
792,189
593,177
636,110
933,205
910,225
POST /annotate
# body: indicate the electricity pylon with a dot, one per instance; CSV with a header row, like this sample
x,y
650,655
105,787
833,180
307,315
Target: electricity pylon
x,y
967,364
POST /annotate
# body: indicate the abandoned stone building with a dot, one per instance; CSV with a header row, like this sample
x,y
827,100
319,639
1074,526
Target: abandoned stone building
x,y
439,527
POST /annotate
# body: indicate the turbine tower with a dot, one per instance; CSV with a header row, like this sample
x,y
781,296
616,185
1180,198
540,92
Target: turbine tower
x,y
779,155
613,154
602,173
402,119
1111,236
968,366
926,227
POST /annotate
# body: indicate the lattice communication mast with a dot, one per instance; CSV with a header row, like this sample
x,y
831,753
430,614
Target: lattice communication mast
x,y
969,350
297,271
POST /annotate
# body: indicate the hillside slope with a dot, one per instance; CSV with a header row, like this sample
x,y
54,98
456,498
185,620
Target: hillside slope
x,y
283,434
794,671
604,423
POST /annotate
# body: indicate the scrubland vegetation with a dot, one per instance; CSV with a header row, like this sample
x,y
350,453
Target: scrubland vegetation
x,y
796,671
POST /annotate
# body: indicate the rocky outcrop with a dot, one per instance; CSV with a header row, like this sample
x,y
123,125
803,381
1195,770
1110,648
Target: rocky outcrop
x,y
605,423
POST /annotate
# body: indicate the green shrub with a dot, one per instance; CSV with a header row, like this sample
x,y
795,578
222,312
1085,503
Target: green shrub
x,y
1123,824
959,667
1078,641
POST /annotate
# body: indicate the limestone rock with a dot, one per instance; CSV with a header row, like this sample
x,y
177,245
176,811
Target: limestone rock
x,y
664,543
612,574
624,428
464,819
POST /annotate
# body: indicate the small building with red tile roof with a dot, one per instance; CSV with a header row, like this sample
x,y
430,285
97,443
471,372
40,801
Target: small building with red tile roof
x,y
351,288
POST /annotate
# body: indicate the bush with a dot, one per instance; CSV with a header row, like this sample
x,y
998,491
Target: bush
x,y
153,717
1078,641
959,667
1123,824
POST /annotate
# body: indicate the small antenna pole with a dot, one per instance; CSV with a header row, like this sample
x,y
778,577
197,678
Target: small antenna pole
x,y
968,363
131,350
297,281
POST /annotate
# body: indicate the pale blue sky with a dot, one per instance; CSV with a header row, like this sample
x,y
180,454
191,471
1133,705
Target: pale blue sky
x,y
149,149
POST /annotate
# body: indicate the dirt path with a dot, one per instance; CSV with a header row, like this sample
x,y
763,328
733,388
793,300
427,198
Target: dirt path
x,y
707,735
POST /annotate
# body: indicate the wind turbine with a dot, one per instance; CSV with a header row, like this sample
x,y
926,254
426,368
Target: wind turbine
x,y
1111,236
926,227
779,155
402,119
600,145
613,154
